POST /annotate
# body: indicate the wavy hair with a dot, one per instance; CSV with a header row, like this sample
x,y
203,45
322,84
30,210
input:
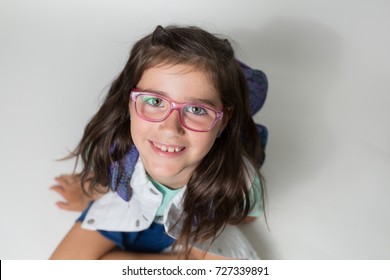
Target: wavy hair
x,y
217,192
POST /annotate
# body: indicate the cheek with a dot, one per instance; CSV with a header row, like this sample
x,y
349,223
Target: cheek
x,y
134,122
137,130
204,143
136,127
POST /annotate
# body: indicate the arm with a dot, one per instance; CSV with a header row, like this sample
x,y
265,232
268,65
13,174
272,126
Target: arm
x,y
195,254
69,187
80,244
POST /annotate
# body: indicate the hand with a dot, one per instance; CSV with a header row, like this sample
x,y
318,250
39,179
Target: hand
x,y
69,187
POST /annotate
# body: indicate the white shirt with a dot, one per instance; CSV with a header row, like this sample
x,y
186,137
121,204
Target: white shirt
x,y
112,213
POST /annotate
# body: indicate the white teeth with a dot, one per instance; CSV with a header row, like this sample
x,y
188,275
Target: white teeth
x,y
167,149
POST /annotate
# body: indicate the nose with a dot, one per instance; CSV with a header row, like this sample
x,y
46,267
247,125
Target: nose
x,y
172,126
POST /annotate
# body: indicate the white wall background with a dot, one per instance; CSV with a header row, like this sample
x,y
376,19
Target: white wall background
x,y
328,158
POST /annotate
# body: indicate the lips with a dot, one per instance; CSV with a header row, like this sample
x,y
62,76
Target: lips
x,y
168,148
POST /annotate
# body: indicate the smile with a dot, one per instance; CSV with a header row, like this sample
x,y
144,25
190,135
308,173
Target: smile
x,y
169,149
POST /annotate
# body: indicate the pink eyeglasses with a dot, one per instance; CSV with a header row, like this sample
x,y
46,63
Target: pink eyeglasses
x,y
154,107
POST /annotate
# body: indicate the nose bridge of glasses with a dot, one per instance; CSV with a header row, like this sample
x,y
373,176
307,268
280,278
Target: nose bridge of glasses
x,y
173,123
176,106
173,107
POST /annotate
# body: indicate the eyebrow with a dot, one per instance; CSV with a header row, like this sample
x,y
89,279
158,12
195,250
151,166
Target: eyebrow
x,y
189,100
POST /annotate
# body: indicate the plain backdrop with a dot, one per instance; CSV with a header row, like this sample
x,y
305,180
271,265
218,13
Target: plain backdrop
x,y
327,111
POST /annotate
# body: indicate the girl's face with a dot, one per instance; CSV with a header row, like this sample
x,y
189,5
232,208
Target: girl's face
x,y
169,151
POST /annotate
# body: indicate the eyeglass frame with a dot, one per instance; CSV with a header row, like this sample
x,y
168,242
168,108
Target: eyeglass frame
x,y
135,92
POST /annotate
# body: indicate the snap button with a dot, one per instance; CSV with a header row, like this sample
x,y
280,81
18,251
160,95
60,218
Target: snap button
x,y
153,191
90,221
137,223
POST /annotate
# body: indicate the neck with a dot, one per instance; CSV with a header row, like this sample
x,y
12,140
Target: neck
x,y
171,183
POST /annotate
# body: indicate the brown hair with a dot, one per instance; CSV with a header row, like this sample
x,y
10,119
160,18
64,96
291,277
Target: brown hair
x,y
217,192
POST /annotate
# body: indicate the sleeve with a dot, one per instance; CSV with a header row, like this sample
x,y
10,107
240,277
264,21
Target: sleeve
x,y
256,198
230,243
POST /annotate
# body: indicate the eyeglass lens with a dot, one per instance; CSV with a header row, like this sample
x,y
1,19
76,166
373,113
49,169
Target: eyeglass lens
x,y
193,116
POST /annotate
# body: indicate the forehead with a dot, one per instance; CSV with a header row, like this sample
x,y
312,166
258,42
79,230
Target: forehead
x,y
182,83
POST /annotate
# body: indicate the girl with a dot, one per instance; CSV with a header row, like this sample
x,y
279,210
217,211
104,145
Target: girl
x,y
172,157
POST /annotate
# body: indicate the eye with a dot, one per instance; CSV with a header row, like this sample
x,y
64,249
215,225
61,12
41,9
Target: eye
x,y
196,110
153,101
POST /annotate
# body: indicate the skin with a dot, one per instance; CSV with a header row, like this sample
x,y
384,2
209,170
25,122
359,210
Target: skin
x,y
68,186
181,83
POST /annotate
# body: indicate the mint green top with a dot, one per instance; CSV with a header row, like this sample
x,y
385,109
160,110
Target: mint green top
x,y
256,198
255,195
